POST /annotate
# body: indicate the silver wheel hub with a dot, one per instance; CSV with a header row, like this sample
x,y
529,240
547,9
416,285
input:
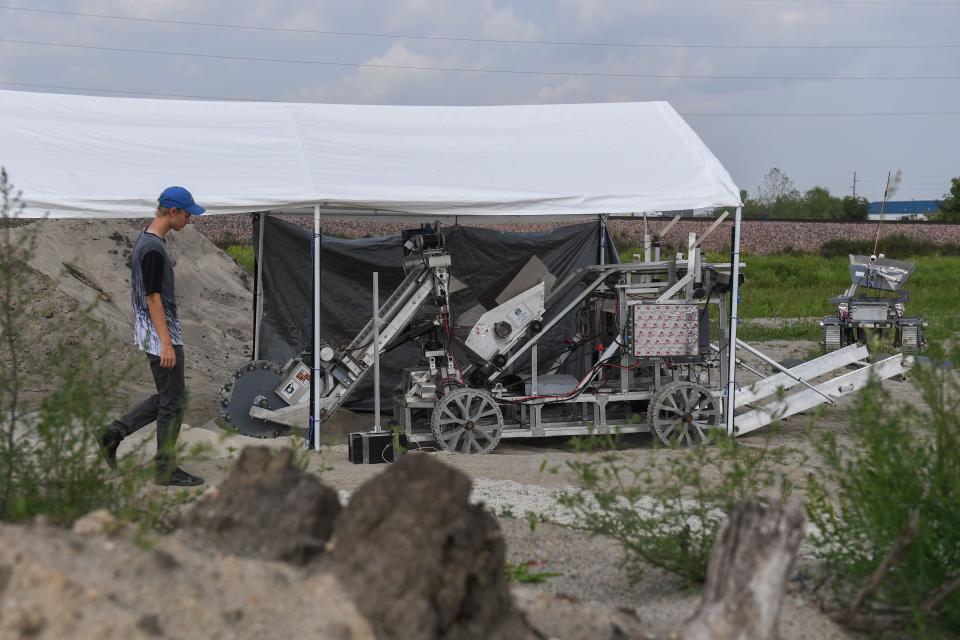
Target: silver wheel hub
x,y
467,421
682,414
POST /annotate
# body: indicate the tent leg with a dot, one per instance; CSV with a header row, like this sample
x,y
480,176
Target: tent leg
x,y
315,374
259,219
732,348
376,351
603,240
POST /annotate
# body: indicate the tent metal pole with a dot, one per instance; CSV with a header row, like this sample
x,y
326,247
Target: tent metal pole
x,y
603,240
315,374
732,347
376,352
258,298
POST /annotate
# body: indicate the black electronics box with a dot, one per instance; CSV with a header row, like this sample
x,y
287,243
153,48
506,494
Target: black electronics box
x,y
374,447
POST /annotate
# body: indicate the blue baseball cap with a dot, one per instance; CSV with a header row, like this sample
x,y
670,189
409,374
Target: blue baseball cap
x,y
180,198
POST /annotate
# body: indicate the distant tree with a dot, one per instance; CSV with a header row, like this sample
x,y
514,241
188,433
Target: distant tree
x,y
777,186
788,207
818,203
854,208
751,208
950,205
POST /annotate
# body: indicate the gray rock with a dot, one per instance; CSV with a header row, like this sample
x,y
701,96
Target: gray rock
x,y
423,563
268,508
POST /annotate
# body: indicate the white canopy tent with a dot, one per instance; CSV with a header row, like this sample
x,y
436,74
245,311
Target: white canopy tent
x,y
82,156
98,157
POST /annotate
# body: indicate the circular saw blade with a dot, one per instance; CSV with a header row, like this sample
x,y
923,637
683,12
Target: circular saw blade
x,y
255,380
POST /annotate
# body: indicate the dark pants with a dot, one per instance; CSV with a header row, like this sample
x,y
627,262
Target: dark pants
x,y
166,406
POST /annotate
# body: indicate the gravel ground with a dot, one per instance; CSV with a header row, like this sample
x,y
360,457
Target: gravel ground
x,y
590,567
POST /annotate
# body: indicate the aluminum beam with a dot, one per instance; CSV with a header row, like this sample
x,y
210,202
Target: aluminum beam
x,y
807,371
807,399
734,321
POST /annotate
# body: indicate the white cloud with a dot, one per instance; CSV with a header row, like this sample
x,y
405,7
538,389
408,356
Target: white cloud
x,y
374,86
569,90
167,9
503,24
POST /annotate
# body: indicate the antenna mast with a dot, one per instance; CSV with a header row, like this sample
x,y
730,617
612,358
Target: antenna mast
x,y
892,184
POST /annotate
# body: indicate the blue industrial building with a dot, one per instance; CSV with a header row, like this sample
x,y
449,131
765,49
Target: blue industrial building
x,y
903,208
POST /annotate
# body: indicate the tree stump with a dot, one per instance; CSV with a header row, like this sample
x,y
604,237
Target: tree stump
x,y
748,572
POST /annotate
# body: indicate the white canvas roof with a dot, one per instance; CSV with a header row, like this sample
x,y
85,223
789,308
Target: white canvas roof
x,y
83,156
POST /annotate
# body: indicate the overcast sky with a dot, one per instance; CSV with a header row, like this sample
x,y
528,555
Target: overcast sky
x,y
777,39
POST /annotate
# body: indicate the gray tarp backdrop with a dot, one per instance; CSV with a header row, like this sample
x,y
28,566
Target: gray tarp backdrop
x,y
480,257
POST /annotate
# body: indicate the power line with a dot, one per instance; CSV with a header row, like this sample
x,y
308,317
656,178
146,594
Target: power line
x,y
687,114
407,36
874,3
156,94
523,72
838,114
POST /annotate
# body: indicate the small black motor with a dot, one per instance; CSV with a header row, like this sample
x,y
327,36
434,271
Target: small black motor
x,y
374,447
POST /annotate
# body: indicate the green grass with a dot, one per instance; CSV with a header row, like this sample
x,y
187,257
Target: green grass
x,y
799,331
801,285
241,254
524,572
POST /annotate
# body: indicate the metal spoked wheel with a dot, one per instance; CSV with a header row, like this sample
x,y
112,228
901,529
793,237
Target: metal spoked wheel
x,y
467,421
683,413
252,384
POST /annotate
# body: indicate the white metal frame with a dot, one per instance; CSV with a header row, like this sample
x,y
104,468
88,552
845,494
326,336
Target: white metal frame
x,y
734,320
315,374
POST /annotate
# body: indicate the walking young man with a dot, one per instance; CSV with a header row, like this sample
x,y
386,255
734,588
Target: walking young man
x,y
158,333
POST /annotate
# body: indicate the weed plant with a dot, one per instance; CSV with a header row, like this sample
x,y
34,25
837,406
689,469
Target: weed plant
x,y
242,254
900,458
49,459
526,573
667,512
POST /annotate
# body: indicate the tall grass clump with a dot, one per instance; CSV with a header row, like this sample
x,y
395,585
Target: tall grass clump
x,y
886,507
668,512
49,458
242,254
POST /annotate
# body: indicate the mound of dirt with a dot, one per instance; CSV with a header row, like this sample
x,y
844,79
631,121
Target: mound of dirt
x,y
81,263
56,584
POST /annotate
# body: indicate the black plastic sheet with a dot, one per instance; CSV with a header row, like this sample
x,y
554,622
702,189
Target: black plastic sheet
x,y
479,258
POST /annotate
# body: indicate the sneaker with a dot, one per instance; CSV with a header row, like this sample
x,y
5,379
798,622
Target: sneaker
x,y
108,441
178,478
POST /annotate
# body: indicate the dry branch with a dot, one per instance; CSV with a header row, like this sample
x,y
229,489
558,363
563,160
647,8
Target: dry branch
x,y
940,594
894,555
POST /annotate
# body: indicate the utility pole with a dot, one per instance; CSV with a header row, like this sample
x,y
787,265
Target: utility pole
x,y
854,184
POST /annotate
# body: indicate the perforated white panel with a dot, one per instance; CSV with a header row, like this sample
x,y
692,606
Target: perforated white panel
x,y
666,330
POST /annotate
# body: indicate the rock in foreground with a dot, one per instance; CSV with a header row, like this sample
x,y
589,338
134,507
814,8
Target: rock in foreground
x,y
421,561
55,584
268,508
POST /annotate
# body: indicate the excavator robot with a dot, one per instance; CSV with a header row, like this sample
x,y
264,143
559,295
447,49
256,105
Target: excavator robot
x,y
644,356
